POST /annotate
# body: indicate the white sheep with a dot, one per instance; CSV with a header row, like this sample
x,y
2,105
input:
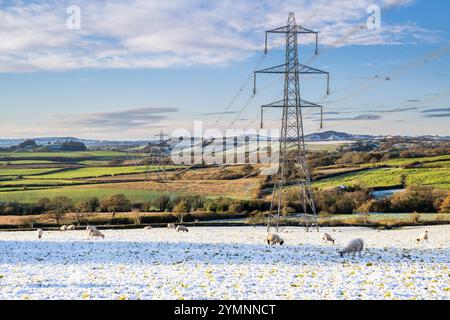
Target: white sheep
x,y
171,226
95,233
273,239
327,238
39,233
355,245
63,228
71,227
423,237
181,229
148,228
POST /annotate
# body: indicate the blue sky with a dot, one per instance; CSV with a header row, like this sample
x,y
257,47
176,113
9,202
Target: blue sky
x,y
138,66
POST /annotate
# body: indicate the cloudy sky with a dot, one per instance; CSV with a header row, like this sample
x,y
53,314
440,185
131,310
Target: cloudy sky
x,y
134,67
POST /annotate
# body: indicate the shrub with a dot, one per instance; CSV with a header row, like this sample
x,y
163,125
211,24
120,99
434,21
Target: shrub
x,y
181,209
86,207
414,218
415,198
445,206
44,204
59,206
163,203
136,218
380,205
116,203
339,201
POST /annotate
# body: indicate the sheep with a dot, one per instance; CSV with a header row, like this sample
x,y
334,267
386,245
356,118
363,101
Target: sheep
x,y
171,226
95,233
327,238
423,237
148,228
63,228
71,227
181,229
39,233
273,239
355,245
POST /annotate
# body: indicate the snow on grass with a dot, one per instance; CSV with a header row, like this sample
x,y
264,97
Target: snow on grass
x,y
224,263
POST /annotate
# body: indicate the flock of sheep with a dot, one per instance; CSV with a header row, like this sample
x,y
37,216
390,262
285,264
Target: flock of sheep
x,y
354,246
93,232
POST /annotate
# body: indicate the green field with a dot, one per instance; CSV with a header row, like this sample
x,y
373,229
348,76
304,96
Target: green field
x,y
77,194
19,162
408,161
36,181
388,177
98,155
93,172
440,164
25,172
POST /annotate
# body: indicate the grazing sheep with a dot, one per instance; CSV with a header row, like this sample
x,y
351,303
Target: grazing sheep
x,y
327,238
181,229
71,227
423,237
355,245
171,226
95,233
273,239
63,228
39,233
148,228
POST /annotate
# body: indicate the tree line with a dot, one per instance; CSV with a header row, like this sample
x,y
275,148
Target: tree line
x,y
334,201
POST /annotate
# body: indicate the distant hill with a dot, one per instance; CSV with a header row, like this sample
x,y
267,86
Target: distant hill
x,y
92,143
336,136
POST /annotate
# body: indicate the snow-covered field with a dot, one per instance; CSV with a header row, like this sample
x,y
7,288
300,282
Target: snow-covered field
x,y
224,263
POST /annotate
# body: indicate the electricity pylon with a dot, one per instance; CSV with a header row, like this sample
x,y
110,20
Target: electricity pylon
x,y
293,169
161,159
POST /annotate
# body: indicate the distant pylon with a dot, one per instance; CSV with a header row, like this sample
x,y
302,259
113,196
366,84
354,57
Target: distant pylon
x,y
293,169
158,160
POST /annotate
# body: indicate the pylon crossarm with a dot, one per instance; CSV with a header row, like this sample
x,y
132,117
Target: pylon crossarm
x,y
304,69
290,29
277,69
282,29
301,29
296,29
280,104
281,69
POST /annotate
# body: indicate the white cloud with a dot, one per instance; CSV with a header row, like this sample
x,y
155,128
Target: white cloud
x,y
159,34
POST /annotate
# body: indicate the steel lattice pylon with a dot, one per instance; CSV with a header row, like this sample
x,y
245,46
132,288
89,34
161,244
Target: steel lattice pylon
x,y
159,160
293,169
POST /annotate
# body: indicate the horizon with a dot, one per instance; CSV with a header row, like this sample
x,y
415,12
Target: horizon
x,y
145,140
113,79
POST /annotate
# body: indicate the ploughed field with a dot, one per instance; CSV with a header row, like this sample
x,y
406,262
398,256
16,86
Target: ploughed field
x,y
224,263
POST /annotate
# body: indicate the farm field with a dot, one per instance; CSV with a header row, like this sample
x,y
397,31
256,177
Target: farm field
x,y
162,264
93,172
389,177
81,175
25,172
21,162
80,193
139,191
105,155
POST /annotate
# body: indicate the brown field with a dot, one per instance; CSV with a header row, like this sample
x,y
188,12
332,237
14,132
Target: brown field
x,y
241,188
